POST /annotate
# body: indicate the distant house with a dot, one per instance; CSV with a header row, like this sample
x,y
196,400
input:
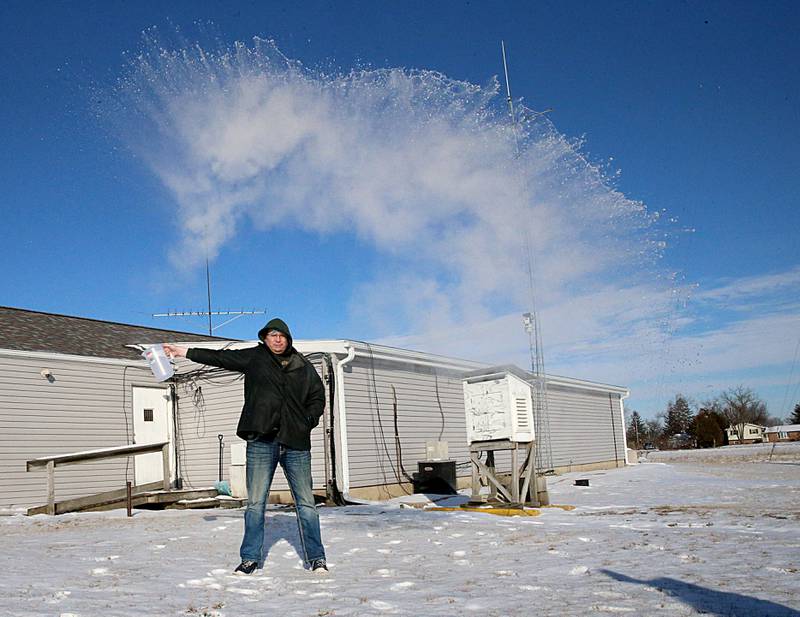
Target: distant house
x,y
784,432
753,433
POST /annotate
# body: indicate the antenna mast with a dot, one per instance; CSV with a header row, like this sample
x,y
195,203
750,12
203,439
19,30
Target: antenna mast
x,y
509,100
530,321
208,289
209,312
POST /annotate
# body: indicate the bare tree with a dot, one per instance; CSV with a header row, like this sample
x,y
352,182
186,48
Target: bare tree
x,y
740,406
636,428
652,431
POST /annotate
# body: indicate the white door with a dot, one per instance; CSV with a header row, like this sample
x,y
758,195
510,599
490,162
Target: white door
x,y
152,422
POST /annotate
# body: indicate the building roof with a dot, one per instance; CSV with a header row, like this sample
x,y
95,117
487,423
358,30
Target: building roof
x,y
410,356
493,372
25,330
784,428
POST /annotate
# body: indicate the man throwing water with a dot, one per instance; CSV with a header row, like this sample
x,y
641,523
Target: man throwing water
x,y
283,401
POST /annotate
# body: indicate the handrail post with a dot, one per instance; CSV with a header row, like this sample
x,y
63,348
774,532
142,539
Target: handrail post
x,y
165,465
51,488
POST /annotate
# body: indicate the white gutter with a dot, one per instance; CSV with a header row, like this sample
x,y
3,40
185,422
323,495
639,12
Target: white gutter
x,y
49,355
421,362
381,352
581,384
395,354
343,459
624,428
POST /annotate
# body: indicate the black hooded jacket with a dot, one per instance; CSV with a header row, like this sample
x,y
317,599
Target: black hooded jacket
x,y
284,402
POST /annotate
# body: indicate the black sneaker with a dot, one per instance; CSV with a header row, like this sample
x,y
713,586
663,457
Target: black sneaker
x,y
319,566
246,567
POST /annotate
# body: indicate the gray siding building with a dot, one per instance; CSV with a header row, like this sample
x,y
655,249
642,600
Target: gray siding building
x,y
67,384
383,405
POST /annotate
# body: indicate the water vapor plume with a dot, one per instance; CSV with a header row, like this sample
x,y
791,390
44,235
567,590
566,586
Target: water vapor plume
x,y
426,169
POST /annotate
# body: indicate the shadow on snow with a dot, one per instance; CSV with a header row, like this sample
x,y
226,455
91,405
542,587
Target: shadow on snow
x,y
711,601
281,524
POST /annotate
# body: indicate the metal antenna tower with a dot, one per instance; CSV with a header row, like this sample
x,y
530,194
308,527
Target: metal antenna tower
x,y
530,320
209,312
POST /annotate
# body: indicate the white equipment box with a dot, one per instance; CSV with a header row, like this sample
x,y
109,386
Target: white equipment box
x,y
498,406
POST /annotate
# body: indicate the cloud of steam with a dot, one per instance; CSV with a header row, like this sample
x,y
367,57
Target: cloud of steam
x,y
427,169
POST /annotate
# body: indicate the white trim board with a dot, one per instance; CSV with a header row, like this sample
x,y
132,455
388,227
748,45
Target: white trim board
x,y
395,354
49,355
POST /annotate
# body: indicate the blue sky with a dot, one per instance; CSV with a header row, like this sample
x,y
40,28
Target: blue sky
x,y
687,109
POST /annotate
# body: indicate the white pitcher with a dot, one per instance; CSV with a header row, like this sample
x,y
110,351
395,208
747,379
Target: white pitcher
x,y
159,363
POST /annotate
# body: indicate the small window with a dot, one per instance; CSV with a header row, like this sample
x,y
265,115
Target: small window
x,y
148,415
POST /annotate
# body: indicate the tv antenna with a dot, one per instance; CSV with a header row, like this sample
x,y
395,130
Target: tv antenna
x,y
530,321
234,315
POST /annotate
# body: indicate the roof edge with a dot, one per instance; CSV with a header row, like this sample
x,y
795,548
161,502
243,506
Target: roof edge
x,y
51,355
396,354
106,321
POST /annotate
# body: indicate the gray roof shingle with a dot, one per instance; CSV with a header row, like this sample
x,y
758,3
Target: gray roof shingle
x,y
26,330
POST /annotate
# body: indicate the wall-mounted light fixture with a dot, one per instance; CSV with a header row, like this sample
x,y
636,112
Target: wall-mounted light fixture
x,y
47,374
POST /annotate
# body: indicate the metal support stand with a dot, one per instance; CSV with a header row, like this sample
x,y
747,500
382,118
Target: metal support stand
x,y
524,487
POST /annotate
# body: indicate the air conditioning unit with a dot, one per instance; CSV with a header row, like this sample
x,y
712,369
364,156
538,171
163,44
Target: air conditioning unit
x,y
499,405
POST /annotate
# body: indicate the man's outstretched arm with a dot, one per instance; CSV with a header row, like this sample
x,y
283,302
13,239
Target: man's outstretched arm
x,y
233,360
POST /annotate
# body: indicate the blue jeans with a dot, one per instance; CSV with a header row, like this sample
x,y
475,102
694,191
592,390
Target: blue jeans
x,y
262,460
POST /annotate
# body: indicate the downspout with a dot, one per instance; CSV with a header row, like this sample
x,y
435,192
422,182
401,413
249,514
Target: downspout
x,y
622,397
614,429
343,459
329,422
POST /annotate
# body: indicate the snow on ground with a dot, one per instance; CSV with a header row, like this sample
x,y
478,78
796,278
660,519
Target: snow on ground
x,y
699,533
756,452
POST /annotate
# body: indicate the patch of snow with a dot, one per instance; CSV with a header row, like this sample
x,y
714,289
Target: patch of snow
x,y
681,536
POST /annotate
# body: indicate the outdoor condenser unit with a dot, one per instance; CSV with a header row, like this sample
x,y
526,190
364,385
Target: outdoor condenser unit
x,y
499,405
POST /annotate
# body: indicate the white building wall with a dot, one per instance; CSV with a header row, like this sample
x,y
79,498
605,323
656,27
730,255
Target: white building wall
x,y
585,427
87,406
430,406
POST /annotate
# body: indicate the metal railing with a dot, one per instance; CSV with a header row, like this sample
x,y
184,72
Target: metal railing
x,y
51,462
